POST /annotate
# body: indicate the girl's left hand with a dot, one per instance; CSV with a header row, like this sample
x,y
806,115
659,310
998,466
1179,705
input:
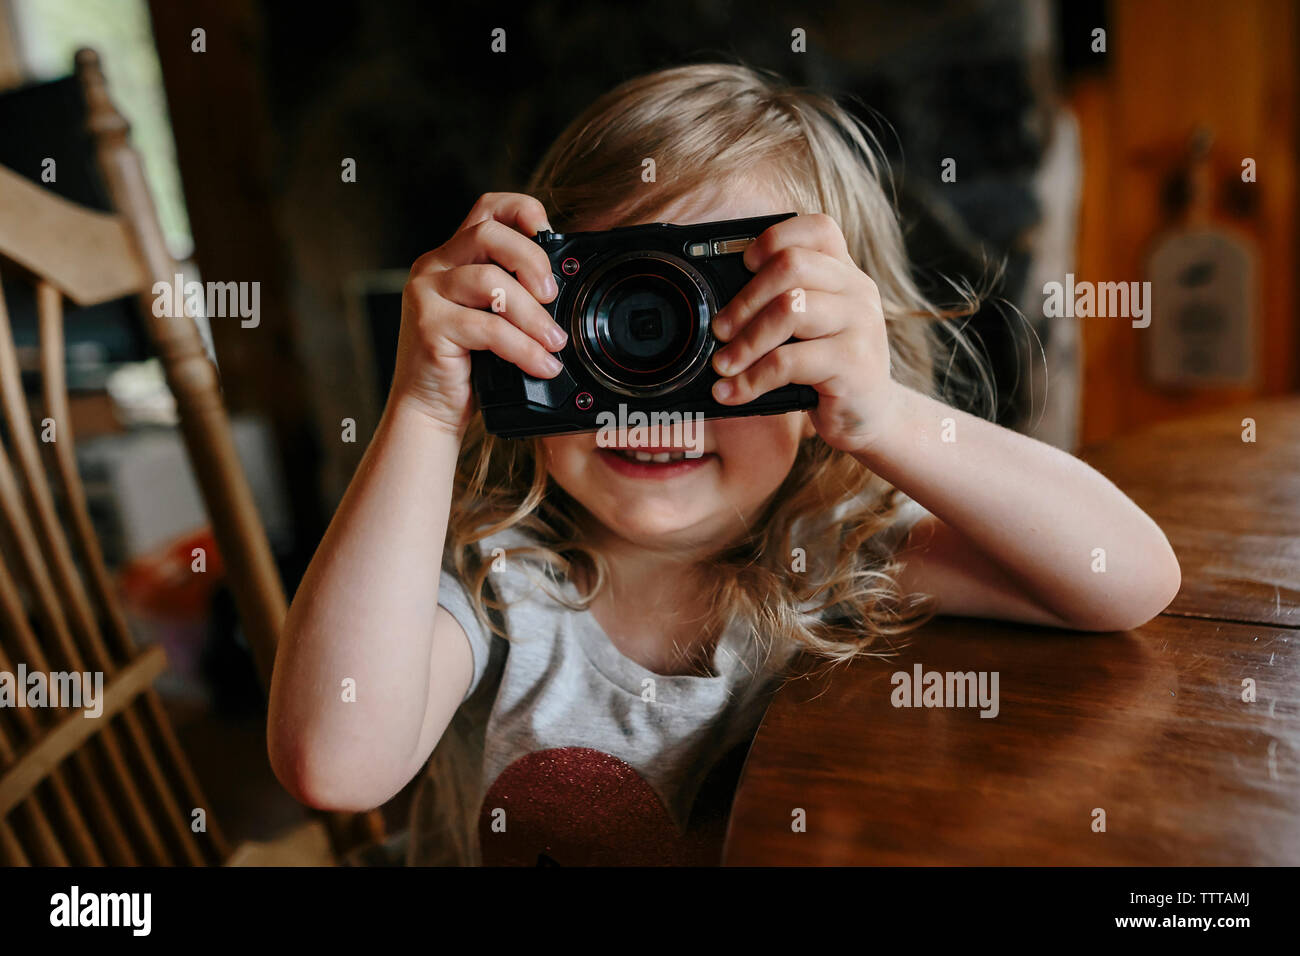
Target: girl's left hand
x,y
807,287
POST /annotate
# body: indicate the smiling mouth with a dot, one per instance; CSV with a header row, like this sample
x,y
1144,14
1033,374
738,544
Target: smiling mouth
x,y
646,456
651,463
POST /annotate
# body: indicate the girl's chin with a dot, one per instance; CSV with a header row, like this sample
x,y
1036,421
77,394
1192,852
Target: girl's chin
x,y
654,528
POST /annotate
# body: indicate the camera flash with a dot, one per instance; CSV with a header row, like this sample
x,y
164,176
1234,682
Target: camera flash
x,y
697,249
724,247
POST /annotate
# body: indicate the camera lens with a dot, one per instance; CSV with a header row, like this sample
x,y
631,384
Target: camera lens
x,y
642,323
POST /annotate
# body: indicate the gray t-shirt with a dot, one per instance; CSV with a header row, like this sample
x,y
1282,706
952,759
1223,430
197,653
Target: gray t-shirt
x,y
565,751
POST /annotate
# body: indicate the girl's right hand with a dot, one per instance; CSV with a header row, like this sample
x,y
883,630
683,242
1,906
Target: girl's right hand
x,y
462,297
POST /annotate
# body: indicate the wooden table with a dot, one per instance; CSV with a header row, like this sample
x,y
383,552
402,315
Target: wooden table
x,y
1148,726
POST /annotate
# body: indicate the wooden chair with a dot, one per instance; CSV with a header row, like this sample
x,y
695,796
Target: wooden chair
x,y
115,790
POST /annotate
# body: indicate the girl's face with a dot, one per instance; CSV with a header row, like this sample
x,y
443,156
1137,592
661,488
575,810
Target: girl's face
x,y
696,502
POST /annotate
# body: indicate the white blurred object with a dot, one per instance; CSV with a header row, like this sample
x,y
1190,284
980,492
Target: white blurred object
x,y
140,394
143,494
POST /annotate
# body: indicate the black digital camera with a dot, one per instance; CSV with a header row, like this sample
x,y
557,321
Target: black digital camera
x,y
637,303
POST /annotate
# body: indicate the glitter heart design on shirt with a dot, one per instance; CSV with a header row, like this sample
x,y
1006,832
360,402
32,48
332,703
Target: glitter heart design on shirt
x,y
574,806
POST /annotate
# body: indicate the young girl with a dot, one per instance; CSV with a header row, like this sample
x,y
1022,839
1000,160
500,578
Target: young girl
x,y
589,640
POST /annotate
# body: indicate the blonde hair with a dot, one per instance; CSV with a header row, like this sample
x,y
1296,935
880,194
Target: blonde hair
x,y
708,123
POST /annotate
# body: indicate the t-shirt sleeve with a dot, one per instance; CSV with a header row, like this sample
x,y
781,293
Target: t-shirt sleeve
x,y
452,596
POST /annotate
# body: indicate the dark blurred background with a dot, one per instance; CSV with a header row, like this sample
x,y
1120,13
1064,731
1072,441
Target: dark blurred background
x,y
1073,125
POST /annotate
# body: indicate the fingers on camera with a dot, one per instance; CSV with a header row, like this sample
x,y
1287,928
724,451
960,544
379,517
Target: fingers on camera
x,y
508,305
493,242
789,270
816,231
478,331
794,314
518,211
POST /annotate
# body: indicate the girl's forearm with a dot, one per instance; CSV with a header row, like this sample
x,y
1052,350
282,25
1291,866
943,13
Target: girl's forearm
x,y
1049,520
361,623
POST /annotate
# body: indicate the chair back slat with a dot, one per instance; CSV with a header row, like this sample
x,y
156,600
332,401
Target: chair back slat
x,y
27,552
11,851
49,311
62,569
87,254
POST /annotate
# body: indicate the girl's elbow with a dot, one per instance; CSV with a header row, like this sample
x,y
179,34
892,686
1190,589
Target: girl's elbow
x,y
1166,580
294,770
338,801
1173,579
319,784
1159,587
